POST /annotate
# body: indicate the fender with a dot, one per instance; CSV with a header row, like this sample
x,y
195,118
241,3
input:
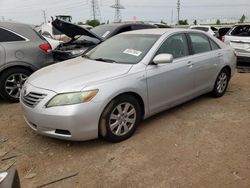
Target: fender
x,y
18,64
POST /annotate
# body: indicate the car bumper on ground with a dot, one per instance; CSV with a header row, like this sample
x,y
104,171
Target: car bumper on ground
x,y
74,122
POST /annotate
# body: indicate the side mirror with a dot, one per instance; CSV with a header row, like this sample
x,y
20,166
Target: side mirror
x,y
10,179
163,58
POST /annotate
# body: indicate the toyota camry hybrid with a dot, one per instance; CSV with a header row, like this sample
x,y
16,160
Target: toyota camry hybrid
x,y
128,78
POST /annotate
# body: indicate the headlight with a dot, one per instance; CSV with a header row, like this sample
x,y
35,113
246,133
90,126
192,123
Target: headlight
x,y
72,98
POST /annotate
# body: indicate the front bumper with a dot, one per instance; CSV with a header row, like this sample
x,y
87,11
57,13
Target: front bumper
x,y
74,122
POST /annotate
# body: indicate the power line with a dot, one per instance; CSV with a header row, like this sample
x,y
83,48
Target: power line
x,y
95,10
44,16
117,6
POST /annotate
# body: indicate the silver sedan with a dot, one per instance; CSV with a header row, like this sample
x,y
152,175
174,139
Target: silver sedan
x,y
128,78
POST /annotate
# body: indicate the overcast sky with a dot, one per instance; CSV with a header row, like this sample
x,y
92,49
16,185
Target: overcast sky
x,y
30,11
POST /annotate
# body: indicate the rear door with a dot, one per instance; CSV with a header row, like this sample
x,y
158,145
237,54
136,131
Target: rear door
x,y
173,83
205,61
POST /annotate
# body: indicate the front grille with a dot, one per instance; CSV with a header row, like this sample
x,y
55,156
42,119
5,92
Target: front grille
x,y
32,99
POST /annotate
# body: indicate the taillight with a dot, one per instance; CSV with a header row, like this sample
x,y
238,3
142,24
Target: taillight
x,y
45,47
223,39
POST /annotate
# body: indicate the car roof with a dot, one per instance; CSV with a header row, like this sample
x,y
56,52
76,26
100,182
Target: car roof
x,y
128,24
159,31
205,26
242,24
25,30
13,25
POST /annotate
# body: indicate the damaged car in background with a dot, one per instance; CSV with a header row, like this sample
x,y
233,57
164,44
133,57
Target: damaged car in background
x,y
83,39
22,51
239,38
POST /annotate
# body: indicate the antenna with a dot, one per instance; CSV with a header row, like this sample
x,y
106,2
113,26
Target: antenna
x,y
95,10
178,10
117,6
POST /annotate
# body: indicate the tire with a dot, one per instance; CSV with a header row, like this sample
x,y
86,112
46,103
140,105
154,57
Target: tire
x,y
221,83
124,124
11,82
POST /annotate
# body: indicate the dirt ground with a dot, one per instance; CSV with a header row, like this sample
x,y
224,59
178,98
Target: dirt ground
x,y
203,143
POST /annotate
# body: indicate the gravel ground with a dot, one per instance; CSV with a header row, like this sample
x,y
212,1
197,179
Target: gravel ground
x,y
203,143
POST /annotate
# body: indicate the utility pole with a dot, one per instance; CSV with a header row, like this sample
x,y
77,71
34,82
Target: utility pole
x,y
172,16
95,10
44,16
178,11
117,6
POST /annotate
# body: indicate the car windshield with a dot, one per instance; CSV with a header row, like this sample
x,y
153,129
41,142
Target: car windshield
x,y
126,49
103,31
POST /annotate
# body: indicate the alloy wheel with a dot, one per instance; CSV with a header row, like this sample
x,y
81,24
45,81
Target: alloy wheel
x,y
122,119
222,82
14,84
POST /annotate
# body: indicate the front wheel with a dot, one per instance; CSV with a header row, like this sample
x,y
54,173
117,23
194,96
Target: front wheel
x,y
221,83
11,83
120,119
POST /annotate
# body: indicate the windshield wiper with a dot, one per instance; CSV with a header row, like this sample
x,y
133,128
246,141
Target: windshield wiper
x,y
86,56
105,60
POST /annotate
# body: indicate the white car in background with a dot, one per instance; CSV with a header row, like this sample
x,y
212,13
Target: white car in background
x,y
239,38
209,29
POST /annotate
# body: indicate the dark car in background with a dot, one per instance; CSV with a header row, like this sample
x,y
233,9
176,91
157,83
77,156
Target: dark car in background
x,y
83,39
222,32
22,51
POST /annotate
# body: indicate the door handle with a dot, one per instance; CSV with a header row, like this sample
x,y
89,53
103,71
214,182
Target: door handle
x,y
190,64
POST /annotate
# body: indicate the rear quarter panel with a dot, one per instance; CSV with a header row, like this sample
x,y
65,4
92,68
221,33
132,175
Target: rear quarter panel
x,y
28,52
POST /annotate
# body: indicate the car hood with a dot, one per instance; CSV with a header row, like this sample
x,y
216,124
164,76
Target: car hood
x,y
72,30
75,74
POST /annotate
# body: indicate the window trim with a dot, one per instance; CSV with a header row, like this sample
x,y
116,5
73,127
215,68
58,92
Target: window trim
x,y
15,33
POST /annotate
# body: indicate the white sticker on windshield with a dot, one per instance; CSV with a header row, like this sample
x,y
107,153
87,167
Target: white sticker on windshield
x,y
105,34
132,52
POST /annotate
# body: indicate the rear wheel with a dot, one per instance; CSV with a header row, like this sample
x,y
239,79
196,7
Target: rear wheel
x,y
11,83
221,83
120,119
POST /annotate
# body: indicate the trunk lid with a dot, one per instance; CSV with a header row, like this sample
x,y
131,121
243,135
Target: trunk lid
x,y
72,30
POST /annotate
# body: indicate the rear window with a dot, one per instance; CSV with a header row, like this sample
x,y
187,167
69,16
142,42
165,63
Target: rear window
x,y
214,45
214,29
201,28
200,43
241,30
8,36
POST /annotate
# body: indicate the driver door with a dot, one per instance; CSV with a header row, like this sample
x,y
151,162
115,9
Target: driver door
x,y
173,83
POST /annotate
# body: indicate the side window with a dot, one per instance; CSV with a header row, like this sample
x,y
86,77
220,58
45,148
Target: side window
x,y
175,45
214,45
200,43
138,27
7,36
124,29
